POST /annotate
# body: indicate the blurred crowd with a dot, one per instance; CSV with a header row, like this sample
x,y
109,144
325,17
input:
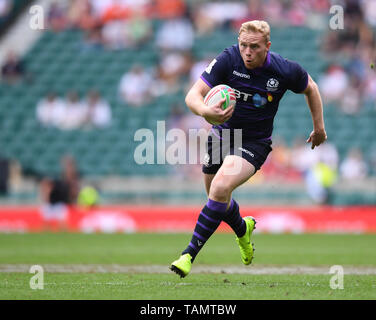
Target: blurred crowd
x,y
350,80
114,24
170,26
72,113
130,20
12,70
320,170
347,82
57,193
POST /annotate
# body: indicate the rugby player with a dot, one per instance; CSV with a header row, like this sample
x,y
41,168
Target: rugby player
x,y
259,78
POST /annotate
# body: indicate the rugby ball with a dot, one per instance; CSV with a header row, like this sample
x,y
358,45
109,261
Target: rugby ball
x,y
218,93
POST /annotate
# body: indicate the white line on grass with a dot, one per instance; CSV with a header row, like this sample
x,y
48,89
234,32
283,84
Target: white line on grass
x,y
163,269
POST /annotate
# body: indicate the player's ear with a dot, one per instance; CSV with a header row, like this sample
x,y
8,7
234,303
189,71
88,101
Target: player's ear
x,y
268,45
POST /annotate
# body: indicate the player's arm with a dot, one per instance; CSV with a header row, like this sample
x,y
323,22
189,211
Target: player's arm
x,y
313,98
195,102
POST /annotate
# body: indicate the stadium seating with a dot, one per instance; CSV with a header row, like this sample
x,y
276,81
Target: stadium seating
x,y
60,62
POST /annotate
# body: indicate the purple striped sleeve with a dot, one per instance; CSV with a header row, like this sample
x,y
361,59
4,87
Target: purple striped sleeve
x,y
206,81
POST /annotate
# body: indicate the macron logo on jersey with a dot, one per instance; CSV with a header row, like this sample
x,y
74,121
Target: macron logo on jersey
x,y
241,75
247,152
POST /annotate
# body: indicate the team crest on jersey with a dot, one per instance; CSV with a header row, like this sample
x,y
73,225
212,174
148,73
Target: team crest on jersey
x,y
272,84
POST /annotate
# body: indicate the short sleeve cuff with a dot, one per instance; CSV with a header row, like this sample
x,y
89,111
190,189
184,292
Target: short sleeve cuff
x,y
306,83
206,81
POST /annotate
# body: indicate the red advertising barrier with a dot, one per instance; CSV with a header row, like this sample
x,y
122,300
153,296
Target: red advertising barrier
x,y
182,219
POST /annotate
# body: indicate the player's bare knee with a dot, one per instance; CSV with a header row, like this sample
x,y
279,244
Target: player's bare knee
x,y
220,189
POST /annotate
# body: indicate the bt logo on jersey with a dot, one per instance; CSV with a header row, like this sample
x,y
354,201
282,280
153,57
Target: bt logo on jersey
x,y
239,95
257,100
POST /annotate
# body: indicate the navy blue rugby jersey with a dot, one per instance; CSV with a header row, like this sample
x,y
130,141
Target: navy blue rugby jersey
x,y
258,91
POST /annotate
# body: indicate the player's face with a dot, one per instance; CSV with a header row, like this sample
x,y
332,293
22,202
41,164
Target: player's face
x,y
253,49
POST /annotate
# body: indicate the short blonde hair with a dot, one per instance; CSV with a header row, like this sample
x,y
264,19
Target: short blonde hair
x,y
256,26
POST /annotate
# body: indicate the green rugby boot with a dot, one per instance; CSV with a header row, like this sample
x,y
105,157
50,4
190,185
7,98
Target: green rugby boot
x,y
246,247
182,266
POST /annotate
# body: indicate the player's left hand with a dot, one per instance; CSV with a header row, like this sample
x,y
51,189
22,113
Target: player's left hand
x,y
317,137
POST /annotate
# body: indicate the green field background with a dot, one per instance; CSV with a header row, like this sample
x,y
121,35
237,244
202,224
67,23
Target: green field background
x,y
161,249
221,249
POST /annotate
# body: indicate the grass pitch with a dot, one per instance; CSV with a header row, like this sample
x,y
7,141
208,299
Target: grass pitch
x,y
353,252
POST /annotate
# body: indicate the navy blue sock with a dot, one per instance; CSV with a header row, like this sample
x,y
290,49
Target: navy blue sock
x,y
234,220
208,221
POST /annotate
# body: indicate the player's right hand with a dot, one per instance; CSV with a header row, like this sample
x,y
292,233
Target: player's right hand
x,y
216,114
